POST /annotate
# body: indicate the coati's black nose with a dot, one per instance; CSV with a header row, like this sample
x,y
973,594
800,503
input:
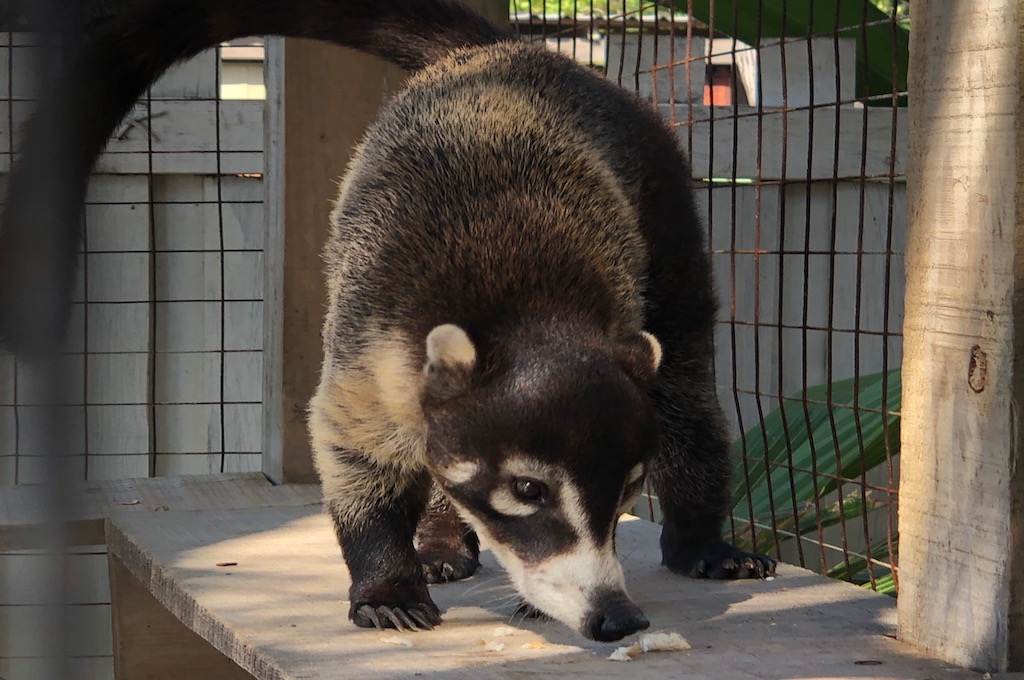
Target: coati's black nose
x,y
617,620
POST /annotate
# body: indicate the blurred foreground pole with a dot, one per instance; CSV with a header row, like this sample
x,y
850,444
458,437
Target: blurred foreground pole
x,y
53,502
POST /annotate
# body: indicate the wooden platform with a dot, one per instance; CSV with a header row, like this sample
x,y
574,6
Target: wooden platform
x,y
277,609
20,506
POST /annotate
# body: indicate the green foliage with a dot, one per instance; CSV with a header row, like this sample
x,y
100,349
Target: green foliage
x,y
857,570
882,66
898,8
886,585
789,466
569,7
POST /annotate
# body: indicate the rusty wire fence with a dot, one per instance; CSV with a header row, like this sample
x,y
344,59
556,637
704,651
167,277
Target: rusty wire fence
x,y
793,116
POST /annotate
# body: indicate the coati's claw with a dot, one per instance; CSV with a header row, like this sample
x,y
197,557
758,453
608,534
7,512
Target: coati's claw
x,y
383,616
445,566
399,618
421,619
369,614
742,564
718,560
752,567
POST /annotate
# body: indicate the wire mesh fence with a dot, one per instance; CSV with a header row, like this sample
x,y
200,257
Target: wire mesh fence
x,y
792,114
166,329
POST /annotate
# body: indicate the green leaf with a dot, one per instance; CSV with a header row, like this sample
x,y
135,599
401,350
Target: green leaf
x,y
858,569
884,71
884,584
808,521
829,431
801,451
566,7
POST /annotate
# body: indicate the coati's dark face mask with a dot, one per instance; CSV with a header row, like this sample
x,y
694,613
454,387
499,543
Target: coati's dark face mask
x,y
541,460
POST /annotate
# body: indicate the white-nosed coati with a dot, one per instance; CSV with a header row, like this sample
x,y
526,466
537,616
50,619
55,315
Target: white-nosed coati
x,y
512,235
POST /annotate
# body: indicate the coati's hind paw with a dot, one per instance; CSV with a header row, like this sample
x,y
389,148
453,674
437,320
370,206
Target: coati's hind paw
x,y
719,560
423,616
448,549
443,564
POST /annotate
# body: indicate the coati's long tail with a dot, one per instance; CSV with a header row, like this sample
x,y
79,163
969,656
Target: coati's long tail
x,y
40,227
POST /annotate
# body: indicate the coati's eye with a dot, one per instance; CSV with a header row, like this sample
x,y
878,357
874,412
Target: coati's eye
x,y
530,490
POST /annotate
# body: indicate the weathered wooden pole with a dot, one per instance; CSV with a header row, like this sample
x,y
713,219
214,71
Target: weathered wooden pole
x,y
961,470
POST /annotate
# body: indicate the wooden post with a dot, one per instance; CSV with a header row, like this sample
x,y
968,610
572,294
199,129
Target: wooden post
x,y
320,99
961,520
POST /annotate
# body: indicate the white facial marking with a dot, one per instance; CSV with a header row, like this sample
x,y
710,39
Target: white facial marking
x,y
460,472
563,585
449,344
504,501
523,466
572,506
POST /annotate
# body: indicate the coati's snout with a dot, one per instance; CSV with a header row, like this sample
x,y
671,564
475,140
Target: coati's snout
x,y
540,454
561,559
583,588
614,618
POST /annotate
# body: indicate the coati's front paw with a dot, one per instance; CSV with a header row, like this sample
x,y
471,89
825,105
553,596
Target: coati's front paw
x,y
399,606
718,560
423,616
443,564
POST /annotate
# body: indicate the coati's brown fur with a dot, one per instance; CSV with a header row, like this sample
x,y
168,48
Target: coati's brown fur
x,y
507,232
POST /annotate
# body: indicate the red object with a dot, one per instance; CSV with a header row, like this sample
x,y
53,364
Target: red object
x,y
719,88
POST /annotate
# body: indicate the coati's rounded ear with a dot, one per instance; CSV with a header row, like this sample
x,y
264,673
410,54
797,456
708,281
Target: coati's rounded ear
x,y
451,358
640,356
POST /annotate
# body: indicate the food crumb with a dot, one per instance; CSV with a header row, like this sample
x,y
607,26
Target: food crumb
x,y
503,631
399,640
536,644
624,653
663,642
493,646
651,642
